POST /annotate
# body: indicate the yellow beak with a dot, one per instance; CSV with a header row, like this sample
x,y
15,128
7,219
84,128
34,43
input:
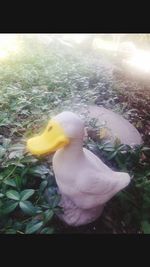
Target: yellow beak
x,y
49,141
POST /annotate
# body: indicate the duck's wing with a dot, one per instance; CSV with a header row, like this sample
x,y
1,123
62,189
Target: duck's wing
x,y
105,185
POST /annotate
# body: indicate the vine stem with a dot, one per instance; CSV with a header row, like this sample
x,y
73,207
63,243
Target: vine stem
x,y
11,171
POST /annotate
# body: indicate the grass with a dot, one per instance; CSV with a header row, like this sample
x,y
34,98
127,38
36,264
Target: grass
x,y
34,85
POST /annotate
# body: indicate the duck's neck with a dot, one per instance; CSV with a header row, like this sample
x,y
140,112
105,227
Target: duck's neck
x,y
74,149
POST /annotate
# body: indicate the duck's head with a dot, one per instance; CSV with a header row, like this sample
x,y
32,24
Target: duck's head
x,y
59,132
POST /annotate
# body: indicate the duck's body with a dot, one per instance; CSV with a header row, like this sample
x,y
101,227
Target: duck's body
x,y
84,181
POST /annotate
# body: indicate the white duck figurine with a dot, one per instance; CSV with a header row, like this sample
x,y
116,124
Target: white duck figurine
x,y
84,181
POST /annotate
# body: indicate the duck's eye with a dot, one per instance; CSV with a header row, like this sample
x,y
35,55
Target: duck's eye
x,y
50,128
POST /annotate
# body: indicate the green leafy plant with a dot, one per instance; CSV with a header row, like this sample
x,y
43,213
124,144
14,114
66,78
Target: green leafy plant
x,y
23,180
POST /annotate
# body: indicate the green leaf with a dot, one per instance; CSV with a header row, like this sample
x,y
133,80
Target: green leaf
x,y
12,194
54,200
11,231
1,195
146,227
43,186
7,208
109,149
112,155
18,181
15,154
26,194
47,230
16,163
17,225
29,159
6,142
17,146
33,227
10,182
48,215
24,171
2,151
39,170
1,177
27,207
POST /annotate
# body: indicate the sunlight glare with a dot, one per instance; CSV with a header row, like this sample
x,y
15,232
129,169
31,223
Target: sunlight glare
x,y
106,45
8,44
140,60
77,38
136,58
